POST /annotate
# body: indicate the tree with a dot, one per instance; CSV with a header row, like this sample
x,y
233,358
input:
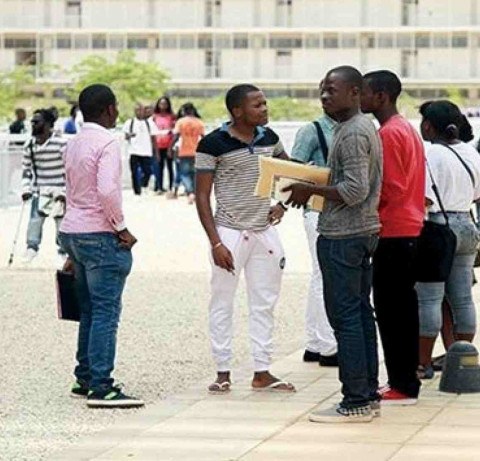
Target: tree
x,y
13,85
132,81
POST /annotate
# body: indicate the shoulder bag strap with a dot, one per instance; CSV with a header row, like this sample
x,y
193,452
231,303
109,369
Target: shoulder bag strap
x,y
322,141
469,171
437,194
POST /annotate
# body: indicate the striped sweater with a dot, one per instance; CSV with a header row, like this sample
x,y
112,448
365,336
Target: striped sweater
x,y
46,174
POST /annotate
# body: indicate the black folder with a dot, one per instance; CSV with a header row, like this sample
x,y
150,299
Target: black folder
x,y
67,303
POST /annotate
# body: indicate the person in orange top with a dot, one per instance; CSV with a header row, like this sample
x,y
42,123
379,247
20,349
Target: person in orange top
x,y
188,130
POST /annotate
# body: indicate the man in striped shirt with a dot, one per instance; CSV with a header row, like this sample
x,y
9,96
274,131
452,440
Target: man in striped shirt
x,y
43,179
241,234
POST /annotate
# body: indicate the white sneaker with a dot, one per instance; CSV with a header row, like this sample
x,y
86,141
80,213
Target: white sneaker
x,y
29,255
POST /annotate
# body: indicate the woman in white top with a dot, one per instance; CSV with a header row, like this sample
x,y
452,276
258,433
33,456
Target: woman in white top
x,y
457,176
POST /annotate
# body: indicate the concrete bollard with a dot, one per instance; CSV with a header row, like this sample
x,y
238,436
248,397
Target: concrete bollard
x,y
461,370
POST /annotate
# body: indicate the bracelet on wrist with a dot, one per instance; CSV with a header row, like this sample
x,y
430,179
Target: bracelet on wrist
x,y
217,245
282,206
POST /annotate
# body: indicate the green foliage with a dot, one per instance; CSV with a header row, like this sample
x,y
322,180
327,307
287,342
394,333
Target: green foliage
x,y
13,85
132,81
455,95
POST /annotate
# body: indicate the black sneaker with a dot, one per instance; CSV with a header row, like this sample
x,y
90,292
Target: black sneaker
x,y
79,390
310,356
328,360
112,398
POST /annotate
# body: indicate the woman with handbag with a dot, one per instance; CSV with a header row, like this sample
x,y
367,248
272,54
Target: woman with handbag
x,y
453,184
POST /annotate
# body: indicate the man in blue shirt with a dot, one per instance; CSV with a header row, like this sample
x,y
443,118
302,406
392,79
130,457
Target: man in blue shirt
x,y
311,146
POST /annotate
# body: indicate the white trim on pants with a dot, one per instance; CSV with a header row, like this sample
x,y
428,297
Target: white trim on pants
x,y
261,256
320,337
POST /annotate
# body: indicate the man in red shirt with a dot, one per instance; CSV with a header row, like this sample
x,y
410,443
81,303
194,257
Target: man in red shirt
x,y
401,215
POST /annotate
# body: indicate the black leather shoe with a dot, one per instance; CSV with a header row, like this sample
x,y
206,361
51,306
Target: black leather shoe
x,y
328,360
310,356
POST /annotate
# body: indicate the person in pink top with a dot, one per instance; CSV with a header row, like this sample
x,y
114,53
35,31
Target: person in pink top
x,y
401,212
164,118
98,243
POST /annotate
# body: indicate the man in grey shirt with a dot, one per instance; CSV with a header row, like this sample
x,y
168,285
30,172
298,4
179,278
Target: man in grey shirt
x,y
348,228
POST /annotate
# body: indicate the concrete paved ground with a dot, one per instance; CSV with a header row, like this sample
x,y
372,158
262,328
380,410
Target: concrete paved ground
x,y
181,421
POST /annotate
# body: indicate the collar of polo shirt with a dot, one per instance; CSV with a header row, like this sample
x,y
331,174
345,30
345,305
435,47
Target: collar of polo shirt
x,y
260,131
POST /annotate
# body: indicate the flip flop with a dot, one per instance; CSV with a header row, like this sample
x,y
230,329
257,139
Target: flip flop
x,y
275,387
219,388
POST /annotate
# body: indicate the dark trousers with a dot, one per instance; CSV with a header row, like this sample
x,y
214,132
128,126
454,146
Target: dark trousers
x,y
145,165
396,308
160,167
347,280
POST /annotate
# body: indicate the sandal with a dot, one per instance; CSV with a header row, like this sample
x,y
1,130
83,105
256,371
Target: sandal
x,y
219,388
276,387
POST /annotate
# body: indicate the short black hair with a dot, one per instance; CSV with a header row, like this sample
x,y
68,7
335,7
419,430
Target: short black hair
x,y
237,94
47,115
94,100
447,119
349,74
384,81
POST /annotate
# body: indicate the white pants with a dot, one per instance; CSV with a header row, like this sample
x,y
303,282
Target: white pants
x,y
320,337
261,256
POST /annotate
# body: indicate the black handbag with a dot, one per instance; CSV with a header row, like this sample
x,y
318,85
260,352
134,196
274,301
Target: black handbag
x,y
436,247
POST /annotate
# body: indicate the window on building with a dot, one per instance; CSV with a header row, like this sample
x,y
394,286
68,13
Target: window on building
x,y
441,41
313,41
81,42
283,64
213,13
385,41
223,42
116,42
205,42
20,43
26,58
169,42
285,42
284,13
135,43
422,41
240,41
187,42
212,64
409,12
349,41
404,41
330,41
99,41
73,12
64,41
459,41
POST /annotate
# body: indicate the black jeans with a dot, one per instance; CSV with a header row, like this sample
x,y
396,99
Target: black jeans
x,y
162,159
145,165
396,308
347,281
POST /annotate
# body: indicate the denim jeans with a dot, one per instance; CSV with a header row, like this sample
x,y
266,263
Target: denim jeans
x,y
347,278
187,173
101,270
458,287
35,227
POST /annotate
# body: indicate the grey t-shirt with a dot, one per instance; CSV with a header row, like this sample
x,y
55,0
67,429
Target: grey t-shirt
x,y
356,163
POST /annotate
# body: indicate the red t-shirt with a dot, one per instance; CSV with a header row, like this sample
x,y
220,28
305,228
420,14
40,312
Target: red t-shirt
x,y
402,201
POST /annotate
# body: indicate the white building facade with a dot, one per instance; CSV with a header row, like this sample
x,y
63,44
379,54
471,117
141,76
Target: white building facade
x,y
283,45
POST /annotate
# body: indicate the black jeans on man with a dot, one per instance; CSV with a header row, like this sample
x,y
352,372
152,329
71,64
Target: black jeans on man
x,y
139,162
396,308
